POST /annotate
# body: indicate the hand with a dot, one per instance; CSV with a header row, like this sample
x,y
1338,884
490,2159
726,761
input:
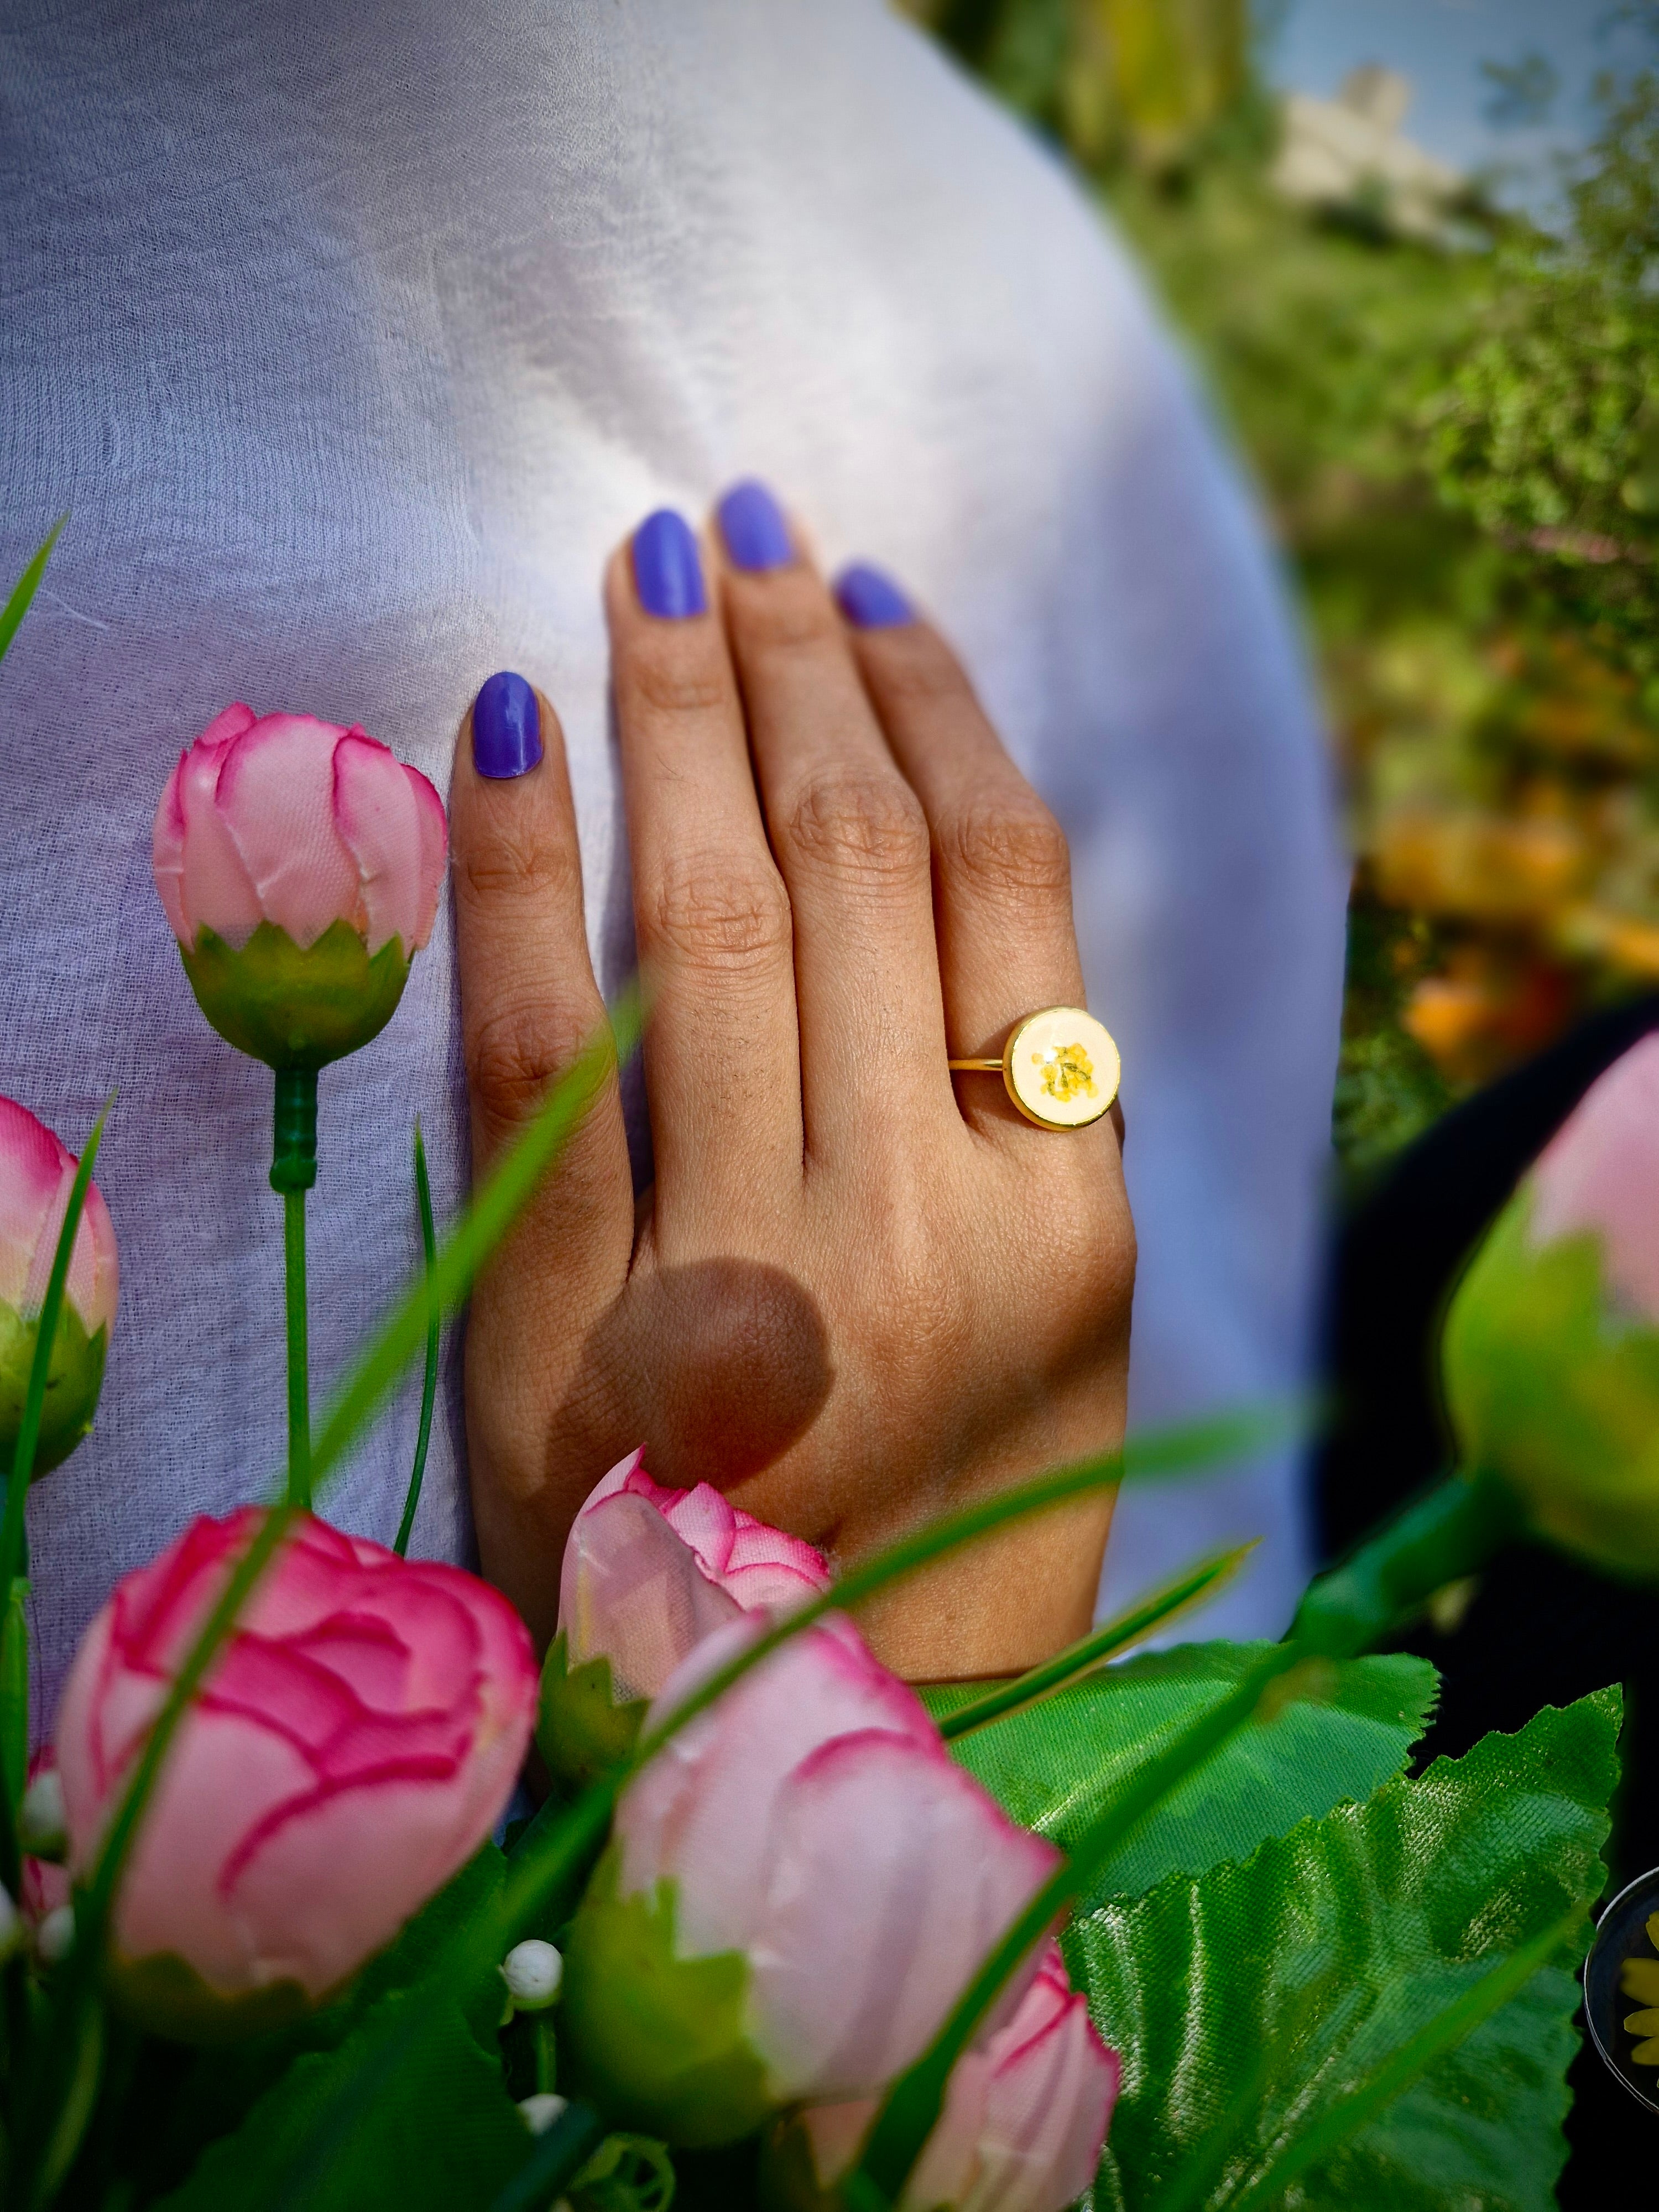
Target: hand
x,y
861,1291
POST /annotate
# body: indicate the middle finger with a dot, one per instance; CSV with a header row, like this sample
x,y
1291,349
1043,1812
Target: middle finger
x,y
850,839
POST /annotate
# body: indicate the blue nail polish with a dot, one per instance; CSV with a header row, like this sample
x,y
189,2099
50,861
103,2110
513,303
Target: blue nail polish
x,y
667,574
506,727
870,600
751,523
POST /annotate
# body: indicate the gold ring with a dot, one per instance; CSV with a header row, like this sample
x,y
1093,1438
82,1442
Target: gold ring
x,y
1060,1067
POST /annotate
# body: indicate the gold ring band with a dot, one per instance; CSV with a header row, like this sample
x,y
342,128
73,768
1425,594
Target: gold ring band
x,y
1060,1067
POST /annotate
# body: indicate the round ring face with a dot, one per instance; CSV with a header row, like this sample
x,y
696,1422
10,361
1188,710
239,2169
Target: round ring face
x,y
1621,1987
1061,1068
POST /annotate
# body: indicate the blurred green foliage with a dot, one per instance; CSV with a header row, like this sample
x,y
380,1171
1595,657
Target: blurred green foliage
x,y
1458,438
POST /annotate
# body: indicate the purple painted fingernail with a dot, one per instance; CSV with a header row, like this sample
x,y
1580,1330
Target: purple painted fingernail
x,y
506,727
871,600
751,523
667,574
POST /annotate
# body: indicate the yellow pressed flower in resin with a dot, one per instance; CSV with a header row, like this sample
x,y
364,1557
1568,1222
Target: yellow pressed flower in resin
x,y
1640,1978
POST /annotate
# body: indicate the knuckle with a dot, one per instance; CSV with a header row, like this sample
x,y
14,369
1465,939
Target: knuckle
x,y
515,1053
671,682
513,868
1012,847
721,914
786,614
862,825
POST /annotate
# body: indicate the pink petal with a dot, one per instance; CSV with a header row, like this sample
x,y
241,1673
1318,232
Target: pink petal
x,y
216,889
275,797
702,1812
166,849
891,1874
1600,1172
229,722
365,1651
35,1174
631,1589
434,853
378,817
1048,2102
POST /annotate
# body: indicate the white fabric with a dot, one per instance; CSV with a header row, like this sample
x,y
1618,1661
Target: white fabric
x,y
352,337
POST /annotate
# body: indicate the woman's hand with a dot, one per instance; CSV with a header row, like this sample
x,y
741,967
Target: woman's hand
x,y
861,1290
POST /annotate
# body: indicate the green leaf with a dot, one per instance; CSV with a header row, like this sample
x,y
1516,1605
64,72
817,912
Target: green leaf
x,y
1375,2011
26,586
444,2133
1054,1766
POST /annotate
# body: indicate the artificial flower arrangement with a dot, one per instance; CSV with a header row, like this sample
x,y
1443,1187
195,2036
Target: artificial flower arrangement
x,y
1166,1936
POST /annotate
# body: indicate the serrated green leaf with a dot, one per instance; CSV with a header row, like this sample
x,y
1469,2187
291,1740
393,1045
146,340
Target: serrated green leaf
x,y
1257,2008
1055,1765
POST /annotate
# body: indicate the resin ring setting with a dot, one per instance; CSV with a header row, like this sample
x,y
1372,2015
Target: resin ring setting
x,y
1060,1067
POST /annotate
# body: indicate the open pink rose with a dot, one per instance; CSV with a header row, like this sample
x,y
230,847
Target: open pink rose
x,y
35,1176
354,1745
804,1869
649,1572
1026,2114
299,865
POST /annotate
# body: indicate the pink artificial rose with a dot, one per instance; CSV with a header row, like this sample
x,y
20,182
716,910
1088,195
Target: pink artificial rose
x,y
1601,1172
649,1572
355,1743
811,1829
36,1174
300,865
1025,2113
285,819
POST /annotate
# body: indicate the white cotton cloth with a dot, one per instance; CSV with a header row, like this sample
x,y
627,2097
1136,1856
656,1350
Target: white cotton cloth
x,y
352,338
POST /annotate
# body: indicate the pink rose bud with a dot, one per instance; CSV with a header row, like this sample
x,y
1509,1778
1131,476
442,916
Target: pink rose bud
x,y
300,865
35,1176
355,1743
1024,2125
797,1890
1551,1347
648,1574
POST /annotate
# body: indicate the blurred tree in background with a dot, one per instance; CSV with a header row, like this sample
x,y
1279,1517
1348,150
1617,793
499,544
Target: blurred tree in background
x,y
1456,426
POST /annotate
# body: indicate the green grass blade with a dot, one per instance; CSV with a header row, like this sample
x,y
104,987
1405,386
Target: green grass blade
x,y
26,586
1340,2121
433,1325
28,1436
1195,1586
494,1207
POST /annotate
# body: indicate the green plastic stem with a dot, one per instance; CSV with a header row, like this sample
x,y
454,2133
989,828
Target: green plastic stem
x,y
293,1172
435,1321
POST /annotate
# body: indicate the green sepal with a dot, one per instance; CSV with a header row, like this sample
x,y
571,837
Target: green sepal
x,y
295,1008
74,1379
581,1732
1552,1390
657,2042
626,2173
166,1997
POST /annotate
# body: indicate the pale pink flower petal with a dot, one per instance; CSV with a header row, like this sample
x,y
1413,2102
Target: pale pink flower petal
x,y
433,855
644,1595
632,1591
216,889
276,797
1025,2113
1601,1172
36,1177
918,1873
379,819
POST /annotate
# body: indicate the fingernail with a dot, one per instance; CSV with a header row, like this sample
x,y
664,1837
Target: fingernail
x,y
751,523
870,600
506,727
667,574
